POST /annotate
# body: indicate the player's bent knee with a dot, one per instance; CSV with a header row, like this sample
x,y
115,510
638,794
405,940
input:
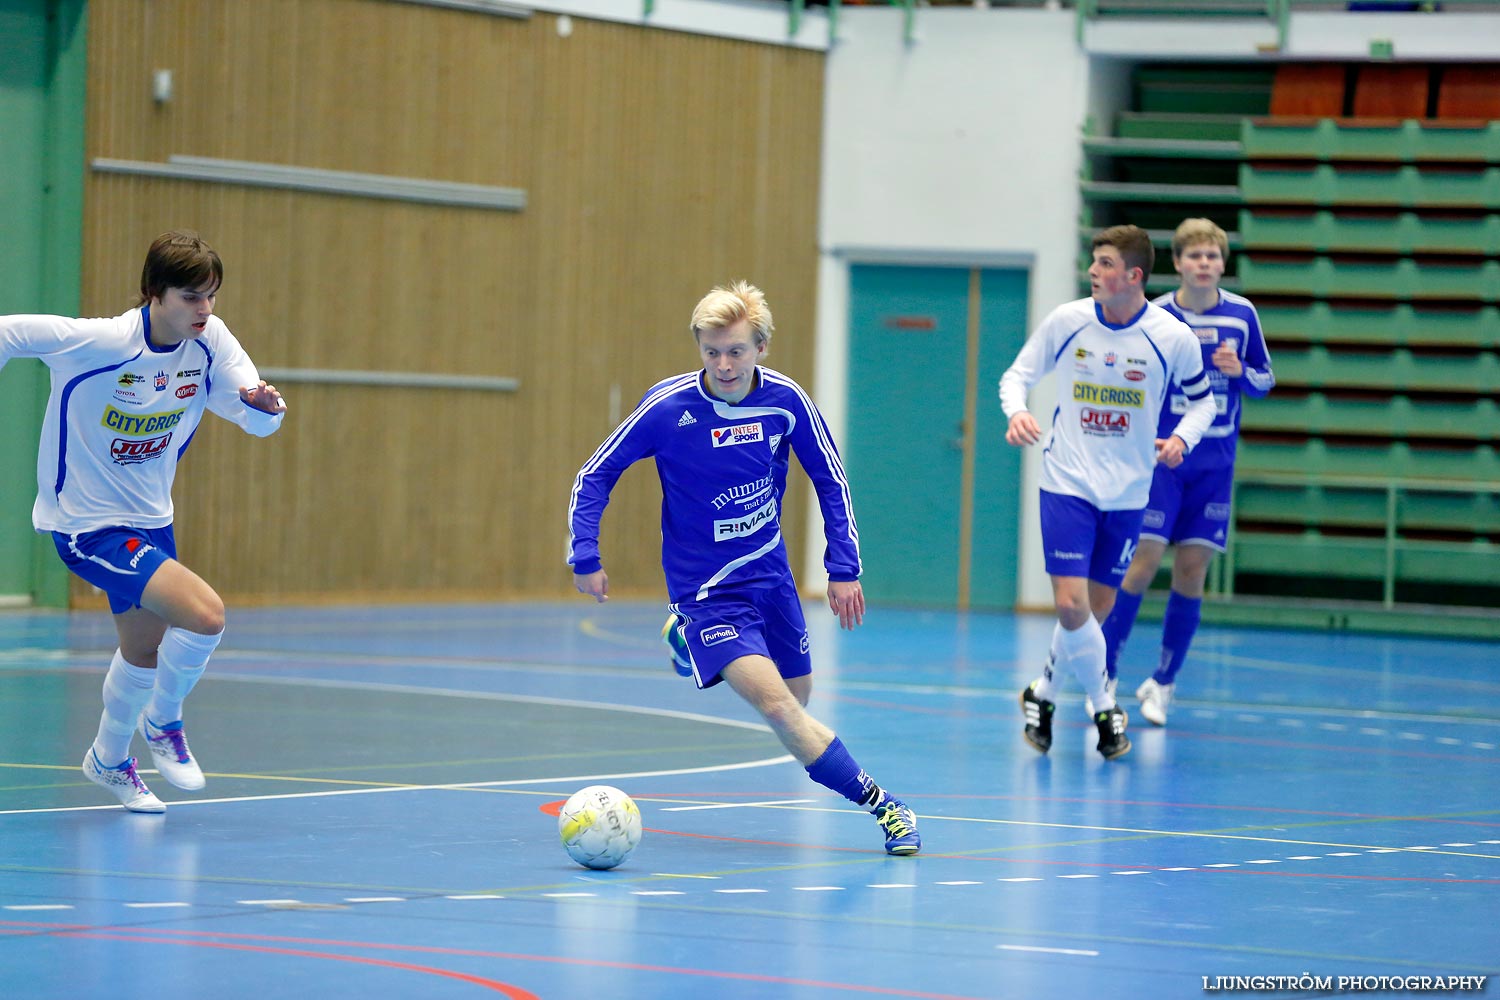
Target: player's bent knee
x,y
206,617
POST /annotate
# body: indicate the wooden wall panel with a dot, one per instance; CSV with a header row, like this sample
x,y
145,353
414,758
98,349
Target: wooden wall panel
x,y
657,164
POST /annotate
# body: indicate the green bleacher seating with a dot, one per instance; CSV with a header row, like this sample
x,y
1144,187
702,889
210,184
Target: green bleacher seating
x,y
1208,127
1406,232
1396,416
1395,369
1399,324
1371,248
1404,186
1402,278
1396,460
1395,141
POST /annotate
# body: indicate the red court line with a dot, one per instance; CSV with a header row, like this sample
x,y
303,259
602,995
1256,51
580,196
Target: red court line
x,y
153,937
164,936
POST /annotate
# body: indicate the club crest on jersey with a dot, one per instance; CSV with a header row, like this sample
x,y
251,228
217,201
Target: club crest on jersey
x,y
738,434
1109,359
161,380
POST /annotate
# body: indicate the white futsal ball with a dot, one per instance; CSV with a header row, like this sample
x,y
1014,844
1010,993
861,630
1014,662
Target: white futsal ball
x,y
599,826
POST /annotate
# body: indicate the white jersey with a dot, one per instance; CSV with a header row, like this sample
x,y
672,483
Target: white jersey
x,y
1111,384
122,412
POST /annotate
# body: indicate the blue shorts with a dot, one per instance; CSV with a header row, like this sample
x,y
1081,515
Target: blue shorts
x,y
119,561
1189,508
765,622
1079,539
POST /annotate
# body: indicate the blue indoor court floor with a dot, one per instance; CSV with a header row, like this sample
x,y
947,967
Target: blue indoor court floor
x,y
379,818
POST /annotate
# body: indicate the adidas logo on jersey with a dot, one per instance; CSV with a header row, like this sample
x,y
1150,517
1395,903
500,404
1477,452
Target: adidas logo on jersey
x,y
686,418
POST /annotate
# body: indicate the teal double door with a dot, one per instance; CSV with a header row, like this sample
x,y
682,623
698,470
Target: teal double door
x,y
936,488
42,70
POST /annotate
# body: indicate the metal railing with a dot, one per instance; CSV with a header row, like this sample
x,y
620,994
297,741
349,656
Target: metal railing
x,y
1394,490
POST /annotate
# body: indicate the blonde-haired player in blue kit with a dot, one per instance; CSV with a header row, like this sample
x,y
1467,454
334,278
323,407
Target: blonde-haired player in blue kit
x,y
721,437
1189,505
1115,356
127,395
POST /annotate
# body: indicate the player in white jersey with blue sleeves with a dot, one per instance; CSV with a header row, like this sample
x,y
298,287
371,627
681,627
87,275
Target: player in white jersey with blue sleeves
x,y
1189,506
127,395
721,437
1115,356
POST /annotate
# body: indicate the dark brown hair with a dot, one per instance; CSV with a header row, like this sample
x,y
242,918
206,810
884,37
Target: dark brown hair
x,y
179,259
1134,245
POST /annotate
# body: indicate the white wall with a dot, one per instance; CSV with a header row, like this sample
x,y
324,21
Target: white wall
x,y
961,147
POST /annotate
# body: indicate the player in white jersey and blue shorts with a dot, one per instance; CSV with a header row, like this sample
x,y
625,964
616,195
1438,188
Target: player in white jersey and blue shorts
x,y
721,437
127,395
1115,355
1190,504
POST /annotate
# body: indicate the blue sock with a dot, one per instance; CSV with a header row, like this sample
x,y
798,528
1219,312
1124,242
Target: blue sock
x,y
838,771
1177,631
1117,627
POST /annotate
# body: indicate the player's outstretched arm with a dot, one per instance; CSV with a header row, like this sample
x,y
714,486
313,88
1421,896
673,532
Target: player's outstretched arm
x,y
595,584
263,397
847,600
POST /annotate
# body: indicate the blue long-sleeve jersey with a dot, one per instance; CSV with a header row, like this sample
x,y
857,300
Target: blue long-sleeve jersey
x,y
1233,318
723,471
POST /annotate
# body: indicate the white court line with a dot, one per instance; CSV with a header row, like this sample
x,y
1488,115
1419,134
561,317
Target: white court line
x,y
736,805
1048,951
459,786
467,695
520,699
41,906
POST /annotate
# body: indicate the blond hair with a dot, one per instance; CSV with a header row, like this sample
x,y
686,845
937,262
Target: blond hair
x,y
1194,231
727,304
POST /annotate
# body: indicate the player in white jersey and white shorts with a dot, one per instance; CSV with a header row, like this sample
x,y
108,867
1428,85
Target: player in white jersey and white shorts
x,y
127,395
1115,356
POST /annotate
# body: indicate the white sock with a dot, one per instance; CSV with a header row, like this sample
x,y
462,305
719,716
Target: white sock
x,y
180,661
1083,651
127,688
1045,686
